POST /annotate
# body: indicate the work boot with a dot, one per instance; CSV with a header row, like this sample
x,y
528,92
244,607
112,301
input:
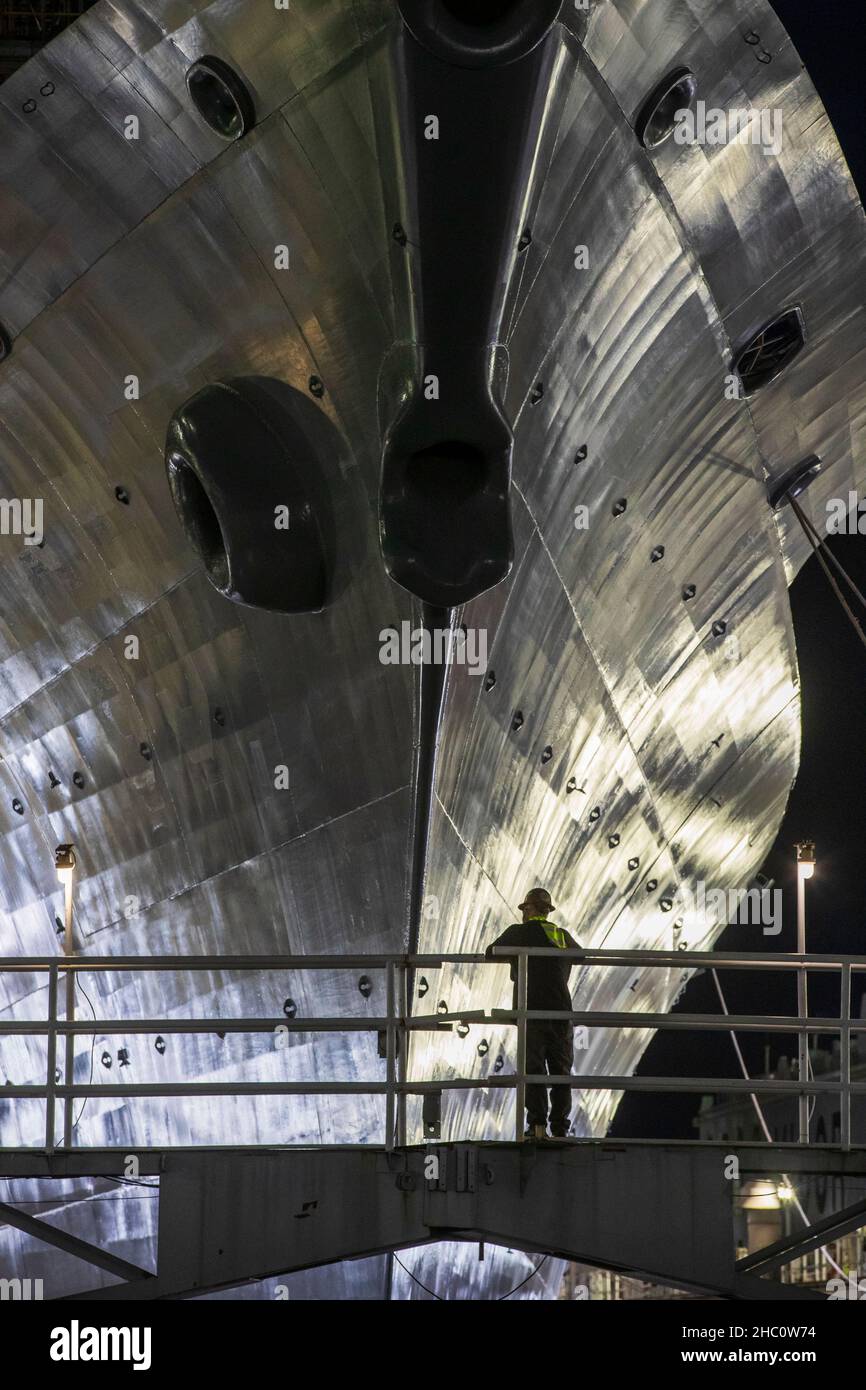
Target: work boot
x,y
559,1133
535,1132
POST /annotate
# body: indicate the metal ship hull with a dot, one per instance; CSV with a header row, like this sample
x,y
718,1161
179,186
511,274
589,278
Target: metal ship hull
x,y
658,735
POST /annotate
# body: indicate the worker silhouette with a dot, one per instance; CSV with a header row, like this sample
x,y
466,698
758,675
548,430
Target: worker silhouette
x,y
549,1044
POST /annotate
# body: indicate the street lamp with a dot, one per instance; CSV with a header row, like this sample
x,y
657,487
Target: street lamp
x,y
64,863
805,870
805,859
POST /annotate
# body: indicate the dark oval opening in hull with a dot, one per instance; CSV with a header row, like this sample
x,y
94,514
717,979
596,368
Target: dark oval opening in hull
x,y
195,506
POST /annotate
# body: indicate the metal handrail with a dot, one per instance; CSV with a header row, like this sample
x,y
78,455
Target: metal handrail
x,y
396,1026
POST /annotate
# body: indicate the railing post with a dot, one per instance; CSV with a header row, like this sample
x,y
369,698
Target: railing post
x,y
403,1051
802,1011
520,1091
390,1051
52,1058
69,1066
845,1057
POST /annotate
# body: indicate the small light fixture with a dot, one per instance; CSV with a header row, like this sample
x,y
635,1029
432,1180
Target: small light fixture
x,y
805,858
785,1192
64,863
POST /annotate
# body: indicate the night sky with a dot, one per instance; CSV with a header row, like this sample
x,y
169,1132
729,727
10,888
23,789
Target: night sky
x,y
826,803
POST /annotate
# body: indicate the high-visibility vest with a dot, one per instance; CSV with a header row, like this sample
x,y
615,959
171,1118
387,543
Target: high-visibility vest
x,y
554,934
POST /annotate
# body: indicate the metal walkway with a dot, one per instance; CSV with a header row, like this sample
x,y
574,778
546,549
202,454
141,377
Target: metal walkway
x,y
662,1211
228,1216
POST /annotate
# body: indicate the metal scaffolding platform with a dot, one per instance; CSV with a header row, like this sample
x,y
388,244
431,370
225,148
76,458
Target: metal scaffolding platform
x,y
659,1211
662,1211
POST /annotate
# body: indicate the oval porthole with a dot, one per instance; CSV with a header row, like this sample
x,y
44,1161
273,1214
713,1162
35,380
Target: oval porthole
x,y
769,351
199,517
657,117
220,97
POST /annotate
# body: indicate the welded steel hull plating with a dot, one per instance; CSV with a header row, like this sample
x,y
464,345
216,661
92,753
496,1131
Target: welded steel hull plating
x,y
650,657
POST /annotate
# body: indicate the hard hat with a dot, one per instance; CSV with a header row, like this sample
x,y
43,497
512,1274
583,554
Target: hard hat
x,y
538,897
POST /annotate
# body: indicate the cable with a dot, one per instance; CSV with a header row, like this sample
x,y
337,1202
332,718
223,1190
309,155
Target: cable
x,y
78,985
809,526
524,1281
531,1275
819,548
764,1125
438,1297
813,1103
130,1182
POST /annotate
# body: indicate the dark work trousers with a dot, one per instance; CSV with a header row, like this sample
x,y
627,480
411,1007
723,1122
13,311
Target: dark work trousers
x,y
550,1050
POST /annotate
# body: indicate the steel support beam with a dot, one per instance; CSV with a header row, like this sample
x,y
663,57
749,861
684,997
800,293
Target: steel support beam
x,y
81,1249
661,1211
792,1247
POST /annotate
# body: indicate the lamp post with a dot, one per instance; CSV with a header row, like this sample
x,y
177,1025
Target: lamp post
x,y
805,869
64,863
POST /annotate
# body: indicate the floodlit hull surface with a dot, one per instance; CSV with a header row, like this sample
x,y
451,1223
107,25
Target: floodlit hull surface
x,y
155,259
